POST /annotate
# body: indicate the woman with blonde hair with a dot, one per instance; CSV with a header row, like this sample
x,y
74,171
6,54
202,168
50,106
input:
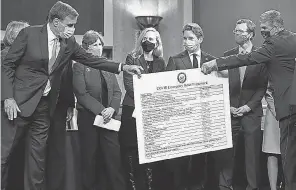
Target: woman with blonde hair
x,y
147,53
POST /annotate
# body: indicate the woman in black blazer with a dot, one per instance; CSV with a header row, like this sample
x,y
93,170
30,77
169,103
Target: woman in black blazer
x,y
148,53
97,93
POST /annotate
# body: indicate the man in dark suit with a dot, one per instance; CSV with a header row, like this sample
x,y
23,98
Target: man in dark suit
x,y
247,86
189,171
30,83
278,53
56,150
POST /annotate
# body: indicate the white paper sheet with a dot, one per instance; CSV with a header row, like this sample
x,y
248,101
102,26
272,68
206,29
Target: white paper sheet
x,y
113,124
181,113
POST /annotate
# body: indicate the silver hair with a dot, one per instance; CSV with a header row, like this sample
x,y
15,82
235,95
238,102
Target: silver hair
x,y
61,10
273,17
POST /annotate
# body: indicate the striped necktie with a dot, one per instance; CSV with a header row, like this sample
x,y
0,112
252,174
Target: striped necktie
x,y
53,55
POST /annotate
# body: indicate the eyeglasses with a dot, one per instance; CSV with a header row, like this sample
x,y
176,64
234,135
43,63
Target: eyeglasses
x,y
239,31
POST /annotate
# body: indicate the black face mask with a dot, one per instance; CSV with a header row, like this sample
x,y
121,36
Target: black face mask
x,y
148,46
265,34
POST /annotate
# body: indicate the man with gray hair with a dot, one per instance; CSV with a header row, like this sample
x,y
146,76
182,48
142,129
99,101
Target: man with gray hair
x,y
31,77
278,53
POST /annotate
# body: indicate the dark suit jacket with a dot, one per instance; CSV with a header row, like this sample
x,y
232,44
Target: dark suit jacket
x,y
253,88
88,90
25,68
157,66
182,61
66,95
278,53
293,90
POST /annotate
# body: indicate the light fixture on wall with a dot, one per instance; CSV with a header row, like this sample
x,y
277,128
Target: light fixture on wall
x,y
148,21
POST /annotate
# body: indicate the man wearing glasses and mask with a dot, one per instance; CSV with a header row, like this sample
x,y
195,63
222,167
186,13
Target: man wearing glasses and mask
x,y
278,53
247,86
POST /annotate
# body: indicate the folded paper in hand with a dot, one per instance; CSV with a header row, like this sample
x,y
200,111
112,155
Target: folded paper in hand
x,y
113,124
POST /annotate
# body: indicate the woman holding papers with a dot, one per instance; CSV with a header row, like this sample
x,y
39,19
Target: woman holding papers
x,y
147,53
97,93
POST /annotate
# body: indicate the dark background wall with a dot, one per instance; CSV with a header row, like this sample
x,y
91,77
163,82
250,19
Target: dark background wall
x,y
35,11
217,18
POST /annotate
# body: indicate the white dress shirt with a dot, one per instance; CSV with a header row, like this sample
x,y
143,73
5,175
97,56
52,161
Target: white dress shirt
x,y
198,57
50,41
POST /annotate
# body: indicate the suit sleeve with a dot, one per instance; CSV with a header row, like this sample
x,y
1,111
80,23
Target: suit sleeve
x,y
66,94
101,63
260,56
82,95
162,68
128,78
171,65
261,89
116,99
10,63
224,73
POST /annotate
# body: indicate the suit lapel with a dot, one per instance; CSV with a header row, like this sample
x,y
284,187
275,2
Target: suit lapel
x,y
63,46
203,58
108,79
43,39
186,60
143,63
234,74
248,68
156,64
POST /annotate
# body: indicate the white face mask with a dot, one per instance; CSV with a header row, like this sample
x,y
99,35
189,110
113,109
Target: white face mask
x,y
68,32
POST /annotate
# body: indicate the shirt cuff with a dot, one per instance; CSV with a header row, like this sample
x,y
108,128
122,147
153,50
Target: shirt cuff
x,y
120,67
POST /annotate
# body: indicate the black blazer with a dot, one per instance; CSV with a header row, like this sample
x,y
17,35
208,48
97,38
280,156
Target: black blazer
x,y
88,90
157,66
25,67
278,53
182,61
253,88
